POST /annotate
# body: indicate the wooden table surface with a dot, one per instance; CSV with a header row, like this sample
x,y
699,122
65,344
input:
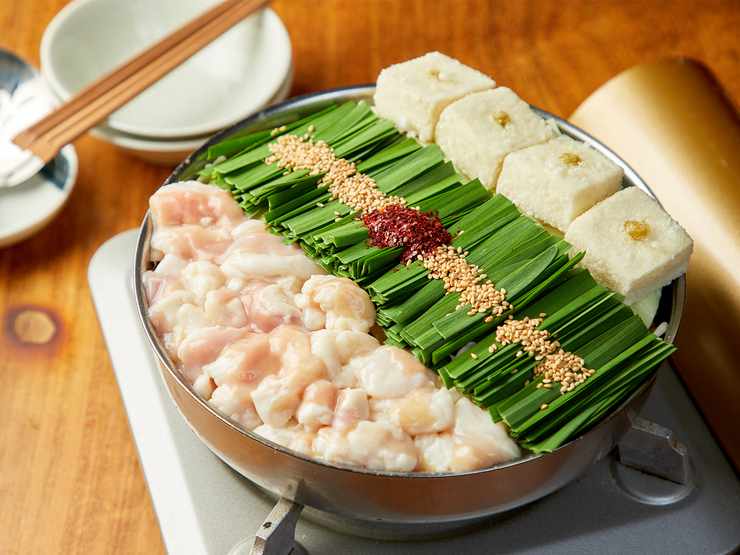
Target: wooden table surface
x,y
70,480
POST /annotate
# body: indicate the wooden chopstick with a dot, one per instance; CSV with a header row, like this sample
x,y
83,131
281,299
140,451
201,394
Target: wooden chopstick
x,y
91,105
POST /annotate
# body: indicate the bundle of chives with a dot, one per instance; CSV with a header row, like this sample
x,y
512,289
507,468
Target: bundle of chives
x,y
351,128
524,260
567,416
588,320
329,232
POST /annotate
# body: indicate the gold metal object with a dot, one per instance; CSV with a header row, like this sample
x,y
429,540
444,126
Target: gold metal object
x,y
672,122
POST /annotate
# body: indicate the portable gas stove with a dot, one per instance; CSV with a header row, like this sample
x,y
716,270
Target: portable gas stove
x,y
205,507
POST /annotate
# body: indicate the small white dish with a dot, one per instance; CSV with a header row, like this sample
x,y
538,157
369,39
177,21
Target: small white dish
x,y
229,79
26,208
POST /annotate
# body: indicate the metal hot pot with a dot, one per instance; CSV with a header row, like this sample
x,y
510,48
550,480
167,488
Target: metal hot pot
x,y
434,501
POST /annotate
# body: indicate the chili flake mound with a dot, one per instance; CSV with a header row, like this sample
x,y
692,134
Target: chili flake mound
x,y
419,233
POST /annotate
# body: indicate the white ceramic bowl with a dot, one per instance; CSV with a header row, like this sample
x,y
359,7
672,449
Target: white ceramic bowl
x,y
236,75
166,152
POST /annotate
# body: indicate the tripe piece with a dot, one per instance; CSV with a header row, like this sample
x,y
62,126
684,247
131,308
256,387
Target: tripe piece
x,y
479,130
632,245
412,94
559,180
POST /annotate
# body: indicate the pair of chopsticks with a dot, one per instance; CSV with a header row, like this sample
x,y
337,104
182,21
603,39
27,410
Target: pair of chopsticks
x,y
94,103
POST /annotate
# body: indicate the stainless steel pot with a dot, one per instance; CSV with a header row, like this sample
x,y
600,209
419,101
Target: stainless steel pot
x,y
385,497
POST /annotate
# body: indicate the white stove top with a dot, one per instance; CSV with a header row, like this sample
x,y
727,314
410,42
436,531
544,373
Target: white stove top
x,y
204,507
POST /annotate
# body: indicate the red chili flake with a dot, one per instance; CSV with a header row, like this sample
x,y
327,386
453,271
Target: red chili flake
x,y
397,225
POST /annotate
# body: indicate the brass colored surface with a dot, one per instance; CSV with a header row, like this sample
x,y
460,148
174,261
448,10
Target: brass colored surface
x,y
671,121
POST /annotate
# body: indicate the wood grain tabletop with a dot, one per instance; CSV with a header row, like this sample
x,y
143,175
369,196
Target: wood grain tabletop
x,y
70,480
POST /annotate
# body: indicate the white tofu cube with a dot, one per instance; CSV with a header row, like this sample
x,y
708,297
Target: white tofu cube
x,y
412,94
632,245
559,180
479,130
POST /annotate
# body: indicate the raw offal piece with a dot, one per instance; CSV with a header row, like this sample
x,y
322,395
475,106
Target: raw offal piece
x,y
478,131
284,350
559,180
632,245
412,94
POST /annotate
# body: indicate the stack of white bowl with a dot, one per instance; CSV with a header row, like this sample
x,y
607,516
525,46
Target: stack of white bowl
x,y
247,68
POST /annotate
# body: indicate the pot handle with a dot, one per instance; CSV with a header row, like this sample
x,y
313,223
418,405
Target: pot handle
x,y
276,536
653,449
